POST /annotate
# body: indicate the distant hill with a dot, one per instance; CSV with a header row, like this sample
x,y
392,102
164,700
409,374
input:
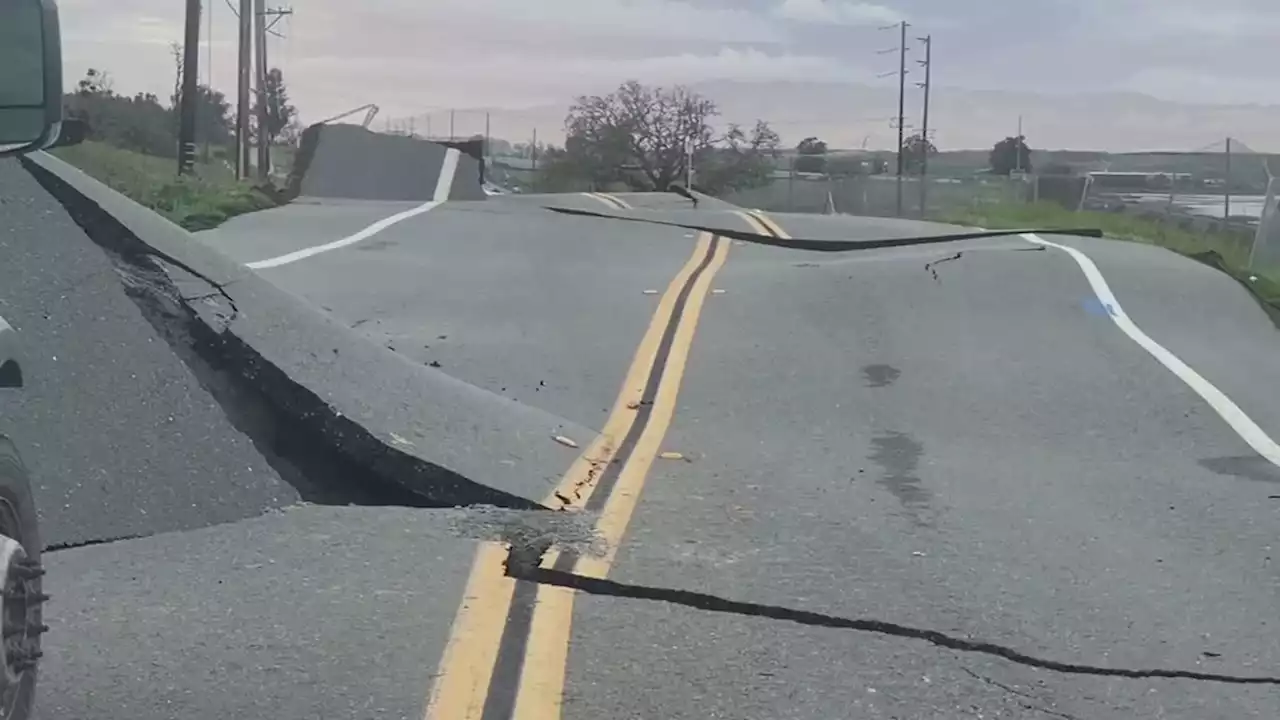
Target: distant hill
x,y
853,115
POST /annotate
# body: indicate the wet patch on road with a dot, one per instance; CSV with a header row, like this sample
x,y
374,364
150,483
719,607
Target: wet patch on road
x,y
1248,467
879,376
898,455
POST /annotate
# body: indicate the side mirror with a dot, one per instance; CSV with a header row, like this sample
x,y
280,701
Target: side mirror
x,y
73,132
30,75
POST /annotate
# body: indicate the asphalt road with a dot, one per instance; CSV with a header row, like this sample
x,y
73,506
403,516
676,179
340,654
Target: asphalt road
x,y
912,482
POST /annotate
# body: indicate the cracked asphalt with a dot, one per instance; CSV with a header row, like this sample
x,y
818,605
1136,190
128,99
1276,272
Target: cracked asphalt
x,y
911,482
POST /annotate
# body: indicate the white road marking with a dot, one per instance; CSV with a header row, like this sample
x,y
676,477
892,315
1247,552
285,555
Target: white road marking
x,y
1244,426
444,185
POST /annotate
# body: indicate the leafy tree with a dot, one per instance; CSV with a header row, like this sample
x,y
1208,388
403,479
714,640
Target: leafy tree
x,y
1010,154
214,124
138,123
809,156
558,171
915,149
741,160
279,112
94,83
642,136
811,146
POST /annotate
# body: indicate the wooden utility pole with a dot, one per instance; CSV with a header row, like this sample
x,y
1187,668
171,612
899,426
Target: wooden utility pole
x,y
242,95
190,89
1226,190
924,123
208,70
260,80
261,68
902,108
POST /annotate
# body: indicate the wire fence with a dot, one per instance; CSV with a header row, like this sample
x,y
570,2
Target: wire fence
x,y
1223,193
1221,196
877,195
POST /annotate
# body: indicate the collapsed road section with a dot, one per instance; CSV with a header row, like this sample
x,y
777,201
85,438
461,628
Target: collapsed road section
x,y
338,418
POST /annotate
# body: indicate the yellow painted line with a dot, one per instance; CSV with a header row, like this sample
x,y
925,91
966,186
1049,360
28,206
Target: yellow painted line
x,y
623,204
769,222
613,202
753,221
462,682
542,681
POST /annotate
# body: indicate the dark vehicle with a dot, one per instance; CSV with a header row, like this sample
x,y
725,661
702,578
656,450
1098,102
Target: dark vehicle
x,y
30,120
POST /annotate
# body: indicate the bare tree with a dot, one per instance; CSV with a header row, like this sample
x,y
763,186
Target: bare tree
x,y
643,136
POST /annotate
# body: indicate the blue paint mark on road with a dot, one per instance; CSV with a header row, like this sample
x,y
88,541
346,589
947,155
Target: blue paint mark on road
x,y
1094,306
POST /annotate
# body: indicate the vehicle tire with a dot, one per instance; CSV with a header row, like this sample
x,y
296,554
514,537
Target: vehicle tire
x,y
23,596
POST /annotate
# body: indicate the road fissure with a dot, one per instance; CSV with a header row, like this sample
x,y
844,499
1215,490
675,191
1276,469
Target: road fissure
x,y
714,603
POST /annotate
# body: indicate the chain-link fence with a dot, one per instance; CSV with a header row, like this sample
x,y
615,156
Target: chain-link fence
x,y
1223,193
1221,196
877,195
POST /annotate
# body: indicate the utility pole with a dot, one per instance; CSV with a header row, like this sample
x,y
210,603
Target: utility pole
x,y
533,149
902,112
260,79
902,99
190,86
487,148
451,125
242,97
688,170
208,72
1226,190
1017,148
924,124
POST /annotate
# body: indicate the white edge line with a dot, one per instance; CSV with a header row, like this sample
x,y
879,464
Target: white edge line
x,y
1240,422
444,185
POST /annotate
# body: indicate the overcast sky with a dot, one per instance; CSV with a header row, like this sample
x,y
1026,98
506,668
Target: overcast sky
x,y
410,56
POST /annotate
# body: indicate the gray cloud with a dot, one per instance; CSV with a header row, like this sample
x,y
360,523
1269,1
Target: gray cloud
x,y
410,56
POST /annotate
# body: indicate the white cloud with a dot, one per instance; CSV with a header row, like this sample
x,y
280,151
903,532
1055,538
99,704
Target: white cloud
x,y
598,18
555,79
838,12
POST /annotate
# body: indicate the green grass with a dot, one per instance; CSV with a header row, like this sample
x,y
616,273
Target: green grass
x,y
199,201
1228,251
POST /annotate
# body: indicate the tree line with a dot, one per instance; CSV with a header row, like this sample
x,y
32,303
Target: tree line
x,y
143,123
646,138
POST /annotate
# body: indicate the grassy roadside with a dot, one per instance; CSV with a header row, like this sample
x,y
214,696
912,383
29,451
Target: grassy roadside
x,y
1228,252
196,202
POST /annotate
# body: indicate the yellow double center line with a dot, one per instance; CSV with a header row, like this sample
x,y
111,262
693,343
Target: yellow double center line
x,y
508,649
611,200
763,223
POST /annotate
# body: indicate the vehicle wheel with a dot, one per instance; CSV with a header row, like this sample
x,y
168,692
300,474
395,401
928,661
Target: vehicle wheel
x,y
20,606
